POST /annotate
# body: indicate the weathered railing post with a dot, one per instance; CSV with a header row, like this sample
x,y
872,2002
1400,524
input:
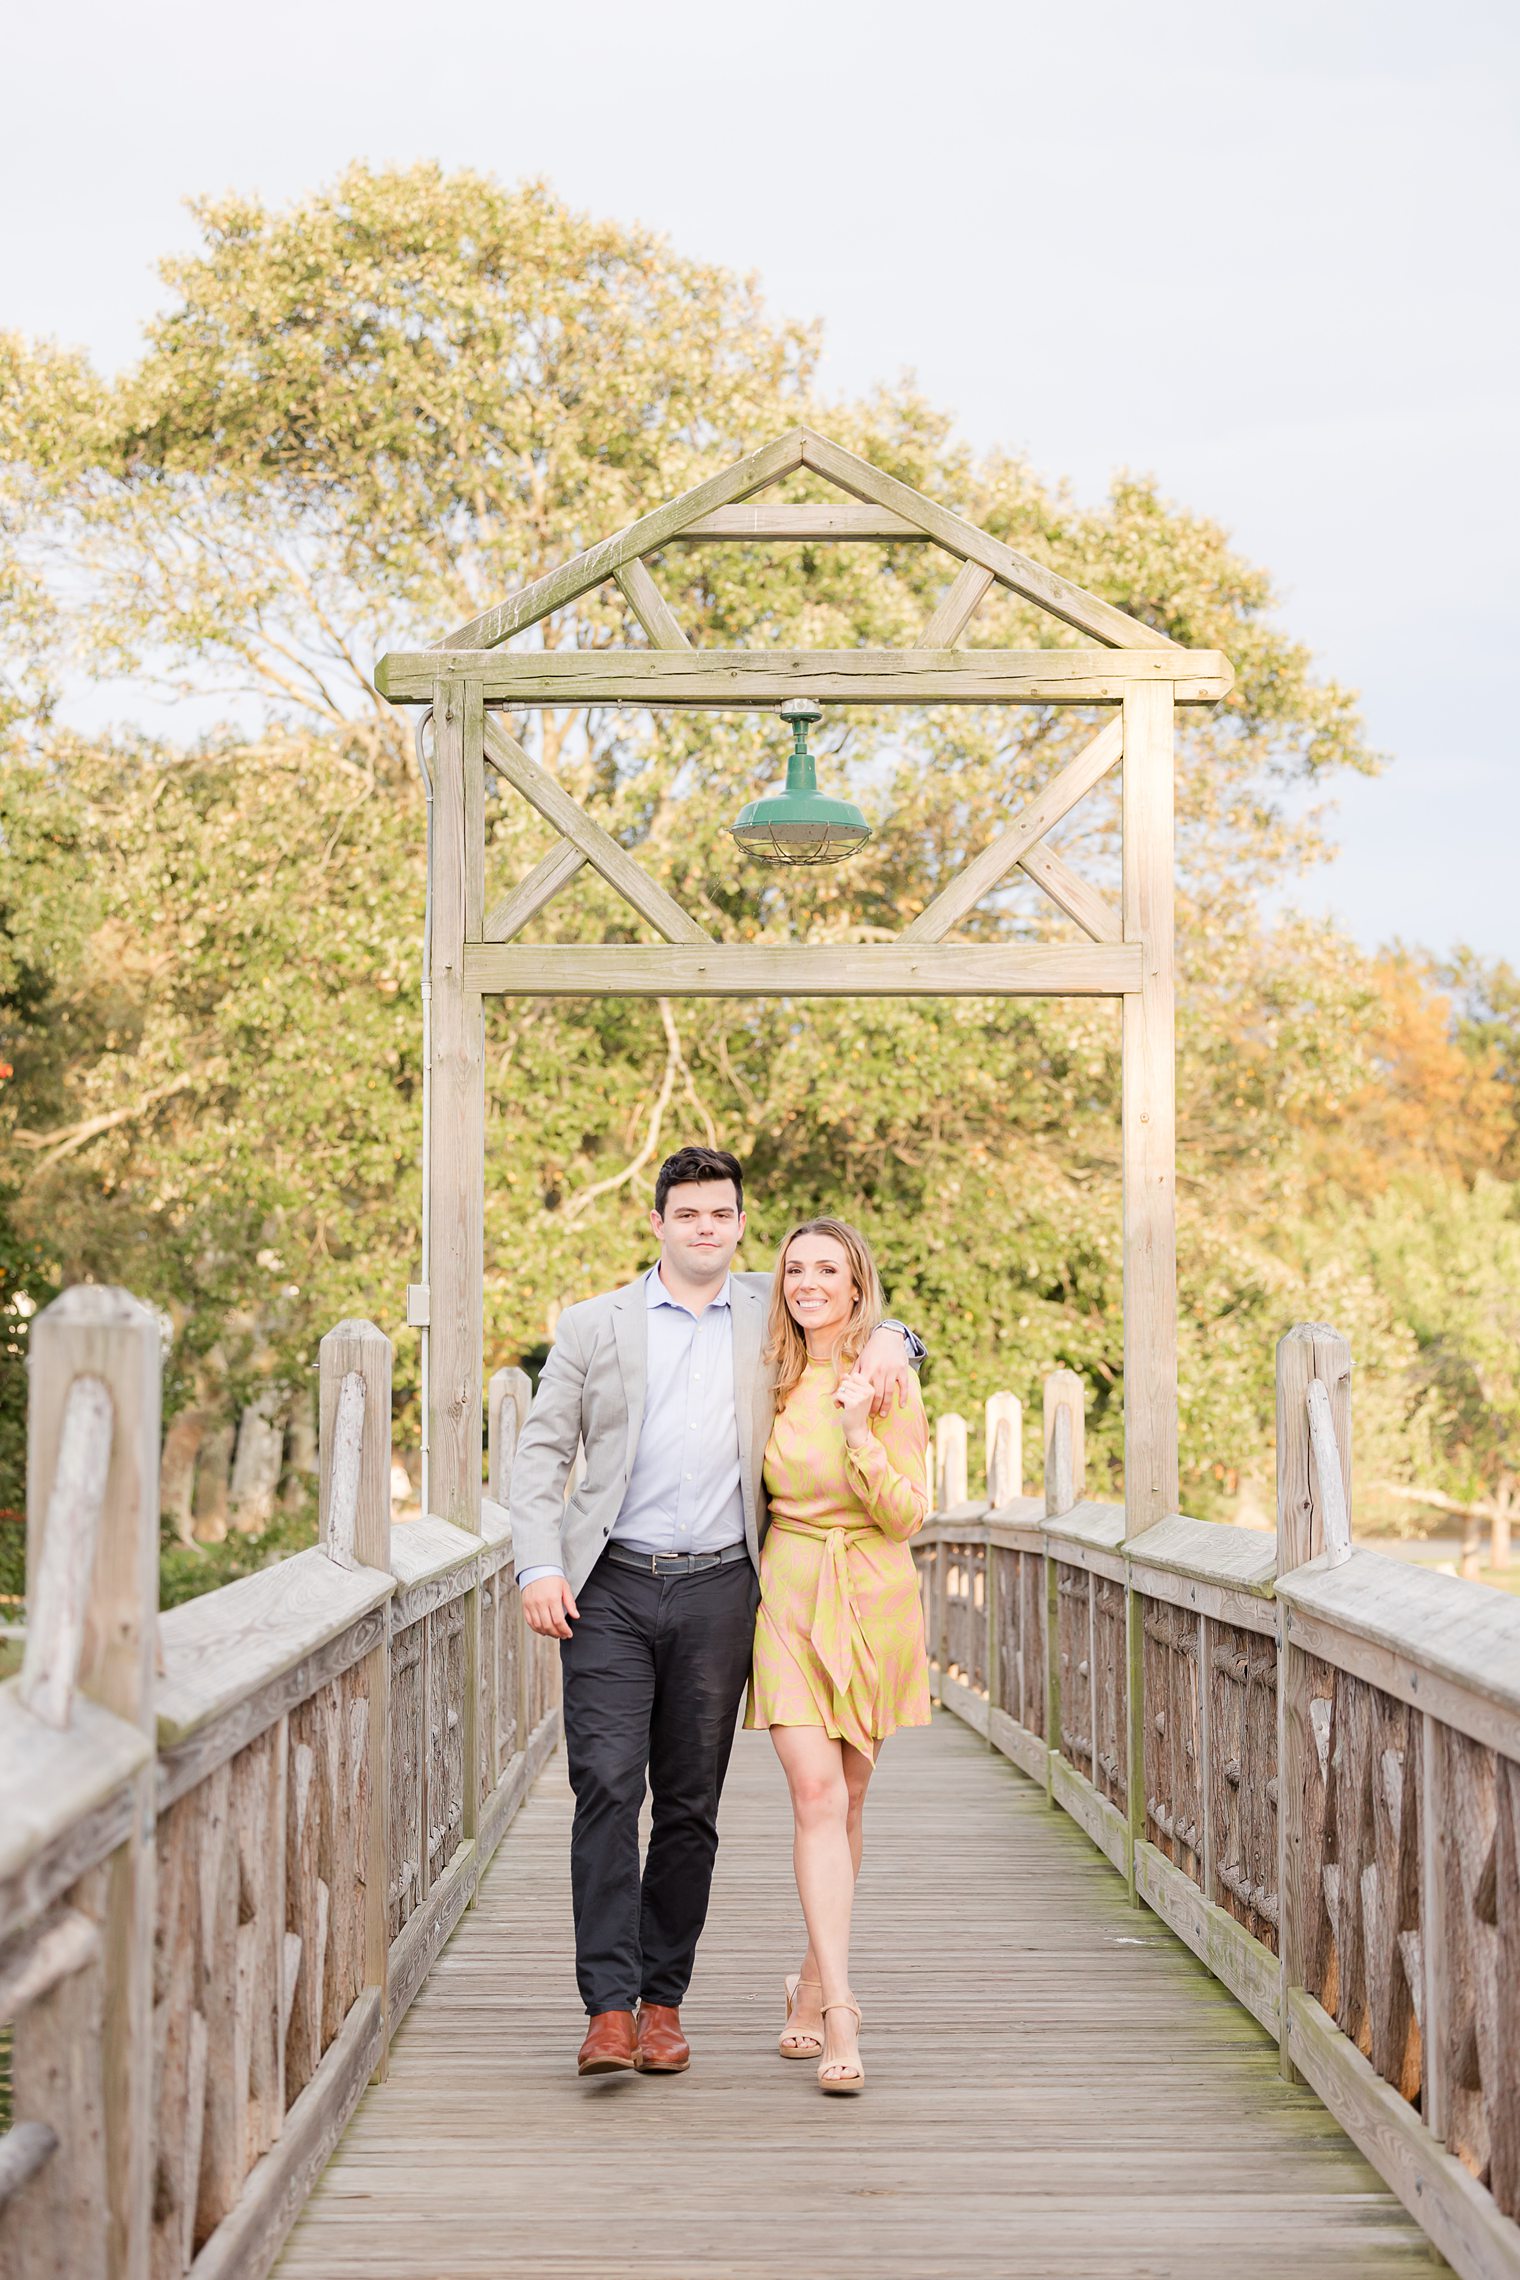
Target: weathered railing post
x,y
1065,1449
97,1334
507,1402
1065,1443
509,1397
354,1369
951,1462
1005,1448
1308,1352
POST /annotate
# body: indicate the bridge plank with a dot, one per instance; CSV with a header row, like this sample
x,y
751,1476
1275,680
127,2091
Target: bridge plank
x,y
1055,2084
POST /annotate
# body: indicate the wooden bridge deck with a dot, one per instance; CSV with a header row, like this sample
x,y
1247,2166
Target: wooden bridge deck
x,y
1056,2086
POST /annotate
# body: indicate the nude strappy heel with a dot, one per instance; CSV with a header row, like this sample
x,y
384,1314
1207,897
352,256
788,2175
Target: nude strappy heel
x,y
845,2084
789,2033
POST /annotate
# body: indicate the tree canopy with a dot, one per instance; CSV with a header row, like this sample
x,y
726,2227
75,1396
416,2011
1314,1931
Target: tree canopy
x,y
362,419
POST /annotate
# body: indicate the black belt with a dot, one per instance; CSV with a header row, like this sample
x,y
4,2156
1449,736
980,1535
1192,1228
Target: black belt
x,y
674,1563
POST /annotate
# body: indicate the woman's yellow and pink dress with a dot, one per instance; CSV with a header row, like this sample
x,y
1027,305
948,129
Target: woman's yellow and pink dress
x,y
839,1639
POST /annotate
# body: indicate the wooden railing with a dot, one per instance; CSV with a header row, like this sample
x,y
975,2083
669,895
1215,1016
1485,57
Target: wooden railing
x,y
1303,1755
232,1837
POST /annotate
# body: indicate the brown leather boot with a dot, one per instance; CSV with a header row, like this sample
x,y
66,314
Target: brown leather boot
x,y
611,2046
663,2049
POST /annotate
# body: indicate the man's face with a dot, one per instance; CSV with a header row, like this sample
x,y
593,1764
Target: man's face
x,y
700,1229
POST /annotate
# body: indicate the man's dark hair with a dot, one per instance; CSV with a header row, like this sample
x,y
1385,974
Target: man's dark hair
x,y
689,1165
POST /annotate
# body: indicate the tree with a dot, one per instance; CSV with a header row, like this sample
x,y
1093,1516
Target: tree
x,y
360,420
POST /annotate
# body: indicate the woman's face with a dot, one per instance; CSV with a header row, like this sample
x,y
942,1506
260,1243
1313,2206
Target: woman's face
x,y
819,1289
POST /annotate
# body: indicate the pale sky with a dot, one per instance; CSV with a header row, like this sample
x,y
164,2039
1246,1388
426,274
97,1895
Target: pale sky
x,y
1267,252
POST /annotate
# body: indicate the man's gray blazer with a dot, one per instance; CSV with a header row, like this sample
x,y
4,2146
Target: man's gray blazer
x,y
591,1394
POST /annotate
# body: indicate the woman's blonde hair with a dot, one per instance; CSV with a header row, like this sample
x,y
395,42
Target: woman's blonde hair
x,y
785,1341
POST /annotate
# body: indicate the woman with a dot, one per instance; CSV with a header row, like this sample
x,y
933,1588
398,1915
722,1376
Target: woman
x,y
839,1640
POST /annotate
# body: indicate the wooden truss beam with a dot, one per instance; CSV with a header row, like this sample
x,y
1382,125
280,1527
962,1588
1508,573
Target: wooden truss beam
x,y
650,607
598,563
1071,603
508,917
722,680
1093,911
958,607
1027,829
832,524
766,970
598,847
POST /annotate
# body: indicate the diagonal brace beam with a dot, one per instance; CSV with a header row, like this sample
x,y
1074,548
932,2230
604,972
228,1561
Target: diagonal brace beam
x,y
958,607
650,607
1028,828
1085,611
598,563
508,917
598,847
1093,911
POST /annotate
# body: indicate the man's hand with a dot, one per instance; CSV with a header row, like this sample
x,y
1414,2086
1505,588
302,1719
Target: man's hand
x,y
885,1362
856,1396
549,1606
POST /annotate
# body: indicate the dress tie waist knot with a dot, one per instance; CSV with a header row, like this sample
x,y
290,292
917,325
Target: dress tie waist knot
x,y
836,1618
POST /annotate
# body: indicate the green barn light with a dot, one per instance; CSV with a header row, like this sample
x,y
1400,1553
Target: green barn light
x,y
801,824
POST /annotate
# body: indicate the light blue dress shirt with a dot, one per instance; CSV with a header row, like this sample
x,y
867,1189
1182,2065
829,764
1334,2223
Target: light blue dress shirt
x,y
683,1493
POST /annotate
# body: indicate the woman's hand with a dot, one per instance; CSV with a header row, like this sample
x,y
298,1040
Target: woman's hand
x,y
855,1396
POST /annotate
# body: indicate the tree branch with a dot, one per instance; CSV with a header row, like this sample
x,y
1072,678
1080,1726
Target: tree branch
x,y
69,1137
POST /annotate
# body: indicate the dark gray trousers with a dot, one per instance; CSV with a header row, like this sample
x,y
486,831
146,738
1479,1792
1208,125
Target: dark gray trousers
x,y
654,1673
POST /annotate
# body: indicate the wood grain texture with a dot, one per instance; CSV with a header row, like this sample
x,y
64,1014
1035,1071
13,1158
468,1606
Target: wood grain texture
x,y
105,1334
1457,1631
1003,1447
509,1397
649,606
601,850
1460,2217
1043,1986
231,1645
1236,1559
600,562
957,607
246,2245
353,1351
357,1349
759,969
63,1796
59,2224
1248,1969
507,918
1065,1444
831,523
59,1585
456,1171
32,1965
1084,904
977,877
723,680
1073,604
1149,1117
1309,1350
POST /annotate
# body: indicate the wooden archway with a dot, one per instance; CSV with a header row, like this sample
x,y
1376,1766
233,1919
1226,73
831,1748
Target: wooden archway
x,y
1127,953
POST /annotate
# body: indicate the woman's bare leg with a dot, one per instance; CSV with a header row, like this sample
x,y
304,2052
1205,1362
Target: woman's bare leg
x,y
824,1777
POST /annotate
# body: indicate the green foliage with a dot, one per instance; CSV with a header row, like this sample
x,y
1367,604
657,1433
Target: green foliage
x,y
365,418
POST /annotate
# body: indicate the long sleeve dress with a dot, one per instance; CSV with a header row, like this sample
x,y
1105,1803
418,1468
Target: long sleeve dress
x,y
839,1639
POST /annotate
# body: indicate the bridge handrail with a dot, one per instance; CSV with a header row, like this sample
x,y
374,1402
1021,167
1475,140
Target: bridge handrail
x,y
223,1879
1304,1755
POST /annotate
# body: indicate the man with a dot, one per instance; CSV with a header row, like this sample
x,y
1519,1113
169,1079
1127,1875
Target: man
x,y
648,1574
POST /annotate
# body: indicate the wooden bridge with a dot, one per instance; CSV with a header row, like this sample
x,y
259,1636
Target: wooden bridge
x,y
1213,1950
1190,1932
